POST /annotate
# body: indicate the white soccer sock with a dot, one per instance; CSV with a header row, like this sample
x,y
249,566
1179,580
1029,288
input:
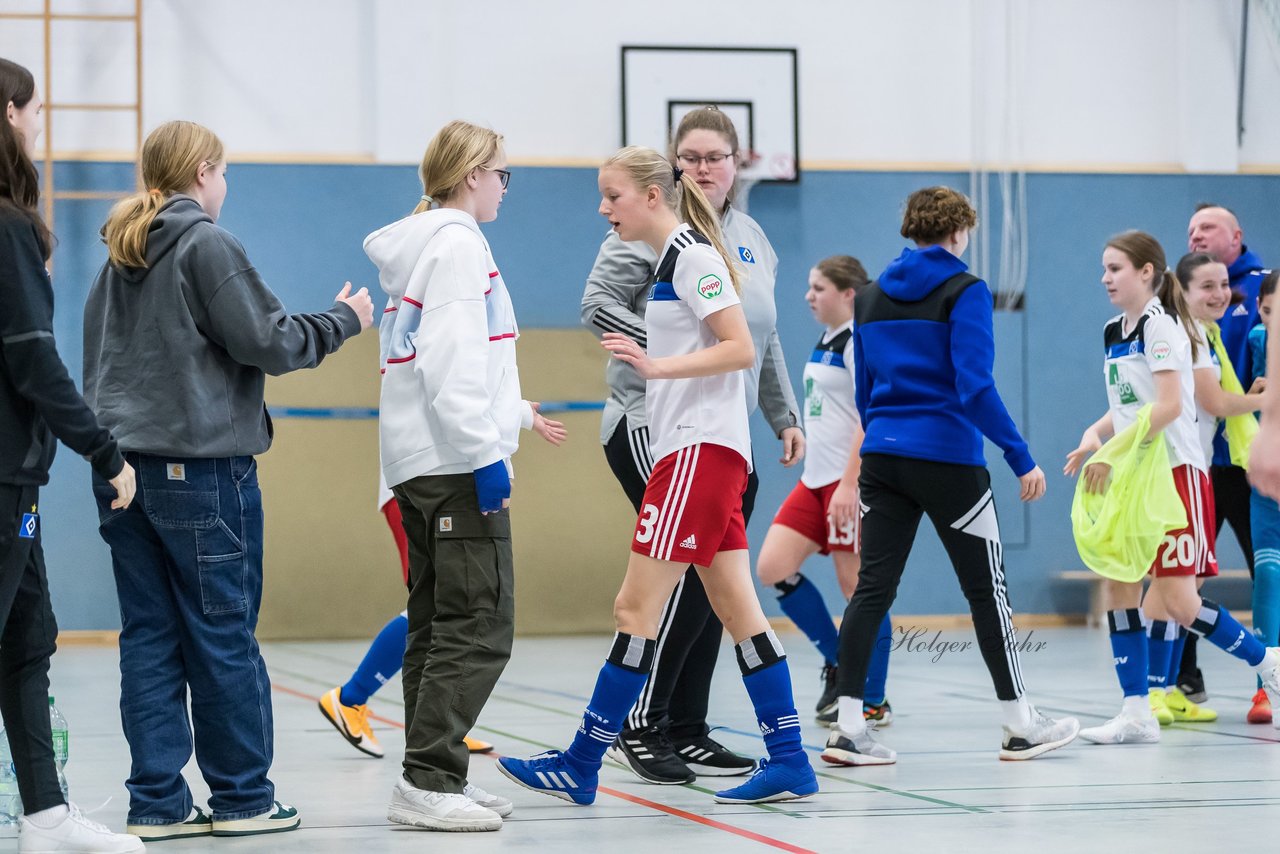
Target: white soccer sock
x,y
850,719
1017,714
1137,706
50,818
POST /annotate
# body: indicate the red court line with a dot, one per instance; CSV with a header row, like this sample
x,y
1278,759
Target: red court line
x,y
635,799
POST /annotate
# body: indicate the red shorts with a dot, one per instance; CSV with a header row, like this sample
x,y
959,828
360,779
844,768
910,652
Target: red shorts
x,y
1190,550
692,508
805,511
396,522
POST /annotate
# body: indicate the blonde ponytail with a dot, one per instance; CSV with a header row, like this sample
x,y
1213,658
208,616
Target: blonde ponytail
x,y
1143,249
171,160
692,207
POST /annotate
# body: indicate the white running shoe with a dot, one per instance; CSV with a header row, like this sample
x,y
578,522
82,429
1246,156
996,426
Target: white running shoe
x,y
74,833
450,811
1124,729
1271,684
861,749
497,803
1043,735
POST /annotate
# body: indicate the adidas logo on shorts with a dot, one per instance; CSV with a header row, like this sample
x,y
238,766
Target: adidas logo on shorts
x,y
689,542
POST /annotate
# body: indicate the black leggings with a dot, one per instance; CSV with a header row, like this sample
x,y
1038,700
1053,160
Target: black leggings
x,y
896,492
676,695
27,642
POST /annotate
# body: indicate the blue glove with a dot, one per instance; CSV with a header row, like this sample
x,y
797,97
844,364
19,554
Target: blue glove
x,y
492,485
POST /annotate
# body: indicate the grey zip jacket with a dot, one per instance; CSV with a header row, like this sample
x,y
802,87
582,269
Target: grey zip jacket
x,y
176,354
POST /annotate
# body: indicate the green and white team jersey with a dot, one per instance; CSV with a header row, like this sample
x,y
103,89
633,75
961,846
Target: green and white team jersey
x,y
1156,343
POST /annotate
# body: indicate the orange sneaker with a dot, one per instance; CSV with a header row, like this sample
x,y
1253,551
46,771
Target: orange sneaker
x,y
475,745
351,721
1261,711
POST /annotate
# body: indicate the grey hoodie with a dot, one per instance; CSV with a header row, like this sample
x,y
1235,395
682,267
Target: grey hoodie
x,y
175,355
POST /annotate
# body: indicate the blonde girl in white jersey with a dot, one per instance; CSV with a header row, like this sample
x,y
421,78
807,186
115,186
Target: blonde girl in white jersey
x,y
691,513
1149,359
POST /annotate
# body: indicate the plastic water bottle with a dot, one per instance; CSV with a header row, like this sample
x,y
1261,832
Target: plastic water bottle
x,y
10,800
58,724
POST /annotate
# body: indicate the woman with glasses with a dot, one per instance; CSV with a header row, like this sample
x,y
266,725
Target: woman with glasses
x,y
449,420
665,738
180,332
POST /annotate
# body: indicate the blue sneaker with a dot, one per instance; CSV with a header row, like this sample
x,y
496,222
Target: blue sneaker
x,y
773,782
551,774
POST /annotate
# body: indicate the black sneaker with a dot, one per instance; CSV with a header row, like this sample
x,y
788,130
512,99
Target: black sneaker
x,y
1192,686
707,757
827,702
649,755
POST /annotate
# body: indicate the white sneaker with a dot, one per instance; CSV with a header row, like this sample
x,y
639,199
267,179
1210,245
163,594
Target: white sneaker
x,y
1271,684
1043,735
497,803
861,749
74,834
439,810
1124,729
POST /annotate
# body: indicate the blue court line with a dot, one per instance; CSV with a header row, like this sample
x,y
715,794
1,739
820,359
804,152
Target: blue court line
x,y
358,413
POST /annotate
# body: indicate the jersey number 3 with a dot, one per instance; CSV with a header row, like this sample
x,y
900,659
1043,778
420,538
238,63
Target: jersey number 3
x,y
648,516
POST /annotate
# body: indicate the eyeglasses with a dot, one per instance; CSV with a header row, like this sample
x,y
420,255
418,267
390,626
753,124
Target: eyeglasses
x,y
503,175
693,161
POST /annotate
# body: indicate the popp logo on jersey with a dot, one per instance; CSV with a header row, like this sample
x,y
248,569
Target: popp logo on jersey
x,y
710,286
1161,350
745,254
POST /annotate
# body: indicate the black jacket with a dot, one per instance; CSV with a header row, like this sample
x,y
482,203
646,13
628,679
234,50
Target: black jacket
x,y
38,400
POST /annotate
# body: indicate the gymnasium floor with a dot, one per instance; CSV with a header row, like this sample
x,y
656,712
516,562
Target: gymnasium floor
x,y
1216,784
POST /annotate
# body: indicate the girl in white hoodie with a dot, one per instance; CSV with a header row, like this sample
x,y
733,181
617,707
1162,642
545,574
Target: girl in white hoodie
x,y
450,417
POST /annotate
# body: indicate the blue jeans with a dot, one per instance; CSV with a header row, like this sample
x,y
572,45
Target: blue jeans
x,y
187,556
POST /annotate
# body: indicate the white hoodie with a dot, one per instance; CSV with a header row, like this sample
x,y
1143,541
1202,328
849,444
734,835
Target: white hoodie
x,y
450,399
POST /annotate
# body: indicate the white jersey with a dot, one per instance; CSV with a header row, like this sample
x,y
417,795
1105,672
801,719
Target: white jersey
x,y
1206,421
830,417
1156,343
690,284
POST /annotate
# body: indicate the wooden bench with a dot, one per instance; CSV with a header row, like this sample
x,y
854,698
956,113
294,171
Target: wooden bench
x,y
1097,615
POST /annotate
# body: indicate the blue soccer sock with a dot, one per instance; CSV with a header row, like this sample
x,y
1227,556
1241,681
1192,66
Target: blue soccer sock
x,y
878,667
1225,632
768,680
617,688
1266,596
383,660
1175,659
1129,650
801,601
1162,635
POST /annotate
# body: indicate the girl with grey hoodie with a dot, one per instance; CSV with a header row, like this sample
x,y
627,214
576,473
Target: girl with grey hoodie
x,y
180,333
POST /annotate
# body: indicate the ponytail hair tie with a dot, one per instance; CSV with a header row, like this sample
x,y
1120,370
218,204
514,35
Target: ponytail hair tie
x,y
676,171
430,201
154,192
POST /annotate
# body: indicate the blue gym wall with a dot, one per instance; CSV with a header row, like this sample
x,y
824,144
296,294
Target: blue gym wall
x,y
303,226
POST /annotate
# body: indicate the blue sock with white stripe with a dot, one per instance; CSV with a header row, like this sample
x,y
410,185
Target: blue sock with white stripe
x,y
1175,658
768,680
878,667
1225,632
617,688
801,601
1161,637
383,660
1129,650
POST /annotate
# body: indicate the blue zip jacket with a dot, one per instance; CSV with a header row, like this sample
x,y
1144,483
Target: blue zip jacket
x,y
924,350
1246,274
